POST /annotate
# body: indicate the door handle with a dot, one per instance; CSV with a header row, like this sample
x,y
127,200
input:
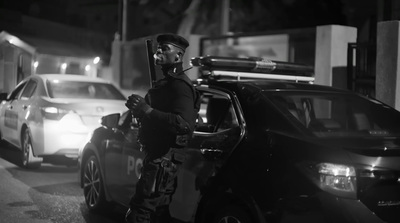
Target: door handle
x,y
211,152
10,107
24,107
113,146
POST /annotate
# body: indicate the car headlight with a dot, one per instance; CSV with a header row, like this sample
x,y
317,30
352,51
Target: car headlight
x,y
337,179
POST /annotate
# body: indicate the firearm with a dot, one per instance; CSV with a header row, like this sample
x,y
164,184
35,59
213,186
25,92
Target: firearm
x,y
150,58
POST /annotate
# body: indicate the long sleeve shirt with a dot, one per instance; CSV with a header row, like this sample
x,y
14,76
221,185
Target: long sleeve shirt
x,y
174,112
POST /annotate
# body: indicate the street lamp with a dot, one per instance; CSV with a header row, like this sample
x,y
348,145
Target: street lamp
x,y
96,60
63,67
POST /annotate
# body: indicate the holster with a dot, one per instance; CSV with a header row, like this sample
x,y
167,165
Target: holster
x,y
166,176
150,173
160,173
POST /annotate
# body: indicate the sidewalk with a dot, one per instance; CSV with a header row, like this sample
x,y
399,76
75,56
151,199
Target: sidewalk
x,y
16,206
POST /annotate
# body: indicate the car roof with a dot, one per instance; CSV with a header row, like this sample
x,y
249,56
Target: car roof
x,y
69,77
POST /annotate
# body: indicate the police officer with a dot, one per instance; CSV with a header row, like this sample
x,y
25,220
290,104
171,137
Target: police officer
x,y
167,116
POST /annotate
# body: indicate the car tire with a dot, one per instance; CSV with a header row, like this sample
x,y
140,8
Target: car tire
x,y
232,214
28,160
93,189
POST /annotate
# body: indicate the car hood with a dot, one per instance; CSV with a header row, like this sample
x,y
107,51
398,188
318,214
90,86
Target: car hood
x,y
377,152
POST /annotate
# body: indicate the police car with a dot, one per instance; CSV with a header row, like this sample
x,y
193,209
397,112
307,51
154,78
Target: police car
x,y
269,146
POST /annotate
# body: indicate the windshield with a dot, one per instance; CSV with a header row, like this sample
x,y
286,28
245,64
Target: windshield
x,y
342,115
83,90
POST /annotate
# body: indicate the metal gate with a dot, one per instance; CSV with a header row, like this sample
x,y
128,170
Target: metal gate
x,y
361,68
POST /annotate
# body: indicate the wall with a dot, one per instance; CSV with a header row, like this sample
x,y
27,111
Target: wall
x,y
387,64
331,54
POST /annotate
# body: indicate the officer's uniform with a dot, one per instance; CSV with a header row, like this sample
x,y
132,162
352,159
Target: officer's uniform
x,y
163,134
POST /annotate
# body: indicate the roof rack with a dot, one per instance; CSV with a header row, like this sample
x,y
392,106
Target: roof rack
x,y
246,75
253,68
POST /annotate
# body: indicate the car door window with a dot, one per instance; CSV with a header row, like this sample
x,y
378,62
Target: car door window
x,y
17,91
217,113
28,90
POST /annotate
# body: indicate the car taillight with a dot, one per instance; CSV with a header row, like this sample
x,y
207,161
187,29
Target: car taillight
x,y
69,120
53,113
337,179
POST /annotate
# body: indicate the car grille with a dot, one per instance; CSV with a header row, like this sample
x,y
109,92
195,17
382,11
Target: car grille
x,y
380,192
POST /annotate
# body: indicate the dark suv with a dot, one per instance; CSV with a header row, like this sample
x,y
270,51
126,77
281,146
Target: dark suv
x,y
264,150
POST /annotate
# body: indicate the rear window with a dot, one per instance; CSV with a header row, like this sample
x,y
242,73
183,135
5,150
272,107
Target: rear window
x,y
343,115
83,90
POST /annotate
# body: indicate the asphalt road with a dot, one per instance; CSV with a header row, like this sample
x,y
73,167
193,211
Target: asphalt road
x,y
50,194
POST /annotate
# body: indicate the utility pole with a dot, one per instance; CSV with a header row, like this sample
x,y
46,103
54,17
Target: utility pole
x,y
225,8
124,19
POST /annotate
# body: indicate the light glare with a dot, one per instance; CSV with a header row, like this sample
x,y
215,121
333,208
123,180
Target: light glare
x,y
72,122
51,110
96,60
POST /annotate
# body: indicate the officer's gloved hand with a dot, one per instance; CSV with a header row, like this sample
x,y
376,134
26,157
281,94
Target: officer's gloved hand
x,y
138,105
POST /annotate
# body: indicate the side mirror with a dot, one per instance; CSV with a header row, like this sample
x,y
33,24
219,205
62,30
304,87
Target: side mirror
x,y
3,96
110,121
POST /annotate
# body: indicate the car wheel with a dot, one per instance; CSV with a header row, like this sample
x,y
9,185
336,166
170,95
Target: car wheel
x,y
27,159
232,214
93,189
